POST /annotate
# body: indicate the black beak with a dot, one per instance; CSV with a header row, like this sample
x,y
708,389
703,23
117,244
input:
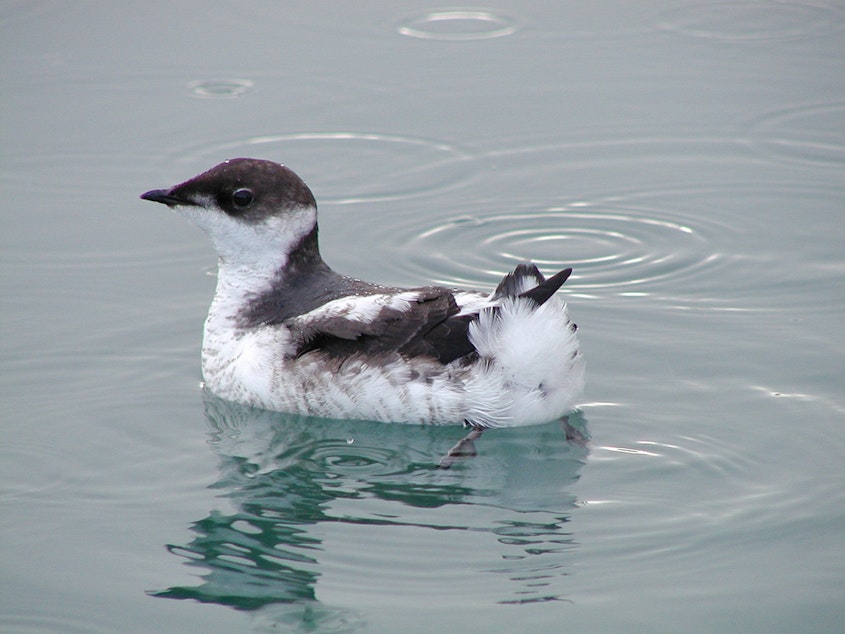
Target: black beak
x,y
165,197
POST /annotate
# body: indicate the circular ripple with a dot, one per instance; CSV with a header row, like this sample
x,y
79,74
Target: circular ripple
x,y
813,133
341,458
751,20
701,242
703,247
220,88
458,24
347,167
609,244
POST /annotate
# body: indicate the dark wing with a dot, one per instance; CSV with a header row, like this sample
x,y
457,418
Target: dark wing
x,y
429,326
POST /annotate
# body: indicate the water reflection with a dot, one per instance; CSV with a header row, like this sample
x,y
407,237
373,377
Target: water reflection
x,y
295,483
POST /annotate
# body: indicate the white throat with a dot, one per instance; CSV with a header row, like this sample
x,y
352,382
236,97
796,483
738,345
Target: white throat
x,y
258,243
251,253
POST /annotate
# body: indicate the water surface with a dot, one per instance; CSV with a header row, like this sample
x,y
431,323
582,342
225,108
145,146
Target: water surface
x,y
685,158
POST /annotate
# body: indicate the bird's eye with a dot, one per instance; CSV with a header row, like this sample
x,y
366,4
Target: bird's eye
x,y
242,197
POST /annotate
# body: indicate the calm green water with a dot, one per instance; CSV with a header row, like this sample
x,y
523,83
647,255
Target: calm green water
x,y
685,158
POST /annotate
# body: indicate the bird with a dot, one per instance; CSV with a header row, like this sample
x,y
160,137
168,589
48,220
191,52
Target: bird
x,y
285,332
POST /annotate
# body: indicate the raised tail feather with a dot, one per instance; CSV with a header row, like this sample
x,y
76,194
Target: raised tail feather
x,y
546,289
527,281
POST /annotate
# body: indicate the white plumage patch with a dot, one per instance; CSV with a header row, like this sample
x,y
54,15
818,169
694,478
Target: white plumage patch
x,y
536,351
360,308
261,246
470,302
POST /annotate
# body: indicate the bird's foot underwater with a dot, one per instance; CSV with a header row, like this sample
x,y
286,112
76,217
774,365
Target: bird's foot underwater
x,y
464,449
